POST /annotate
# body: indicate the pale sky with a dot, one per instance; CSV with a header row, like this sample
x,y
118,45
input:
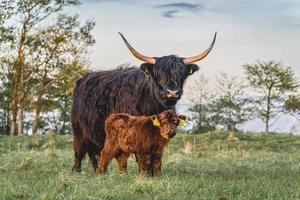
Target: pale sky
x,y
247,30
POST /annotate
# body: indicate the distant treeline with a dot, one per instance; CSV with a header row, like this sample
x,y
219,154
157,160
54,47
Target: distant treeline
x,y
269,89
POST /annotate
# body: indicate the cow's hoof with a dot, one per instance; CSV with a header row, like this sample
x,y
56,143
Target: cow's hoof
x,y
76,169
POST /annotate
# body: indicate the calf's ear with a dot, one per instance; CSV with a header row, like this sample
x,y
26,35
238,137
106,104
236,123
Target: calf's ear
x,y
191,68
146,68
183,117
182,120
155,121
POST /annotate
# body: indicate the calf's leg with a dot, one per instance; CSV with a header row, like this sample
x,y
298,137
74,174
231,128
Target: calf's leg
x,y
143,162
122,162
156,163
104,159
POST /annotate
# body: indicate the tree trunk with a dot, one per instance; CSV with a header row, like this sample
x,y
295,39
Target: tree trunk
x,y
13,125
267,125
7,124
7,120
20,119
15,93
267,118
38,109
64,114
17,78
20,116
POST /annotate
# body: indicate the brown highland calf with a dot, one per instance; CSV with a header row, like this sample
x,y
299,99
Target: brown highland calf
x,y
145,136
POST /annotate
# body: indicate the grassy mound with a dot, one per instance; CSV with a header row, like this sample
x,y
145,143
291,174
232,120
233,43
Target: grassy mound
x,y
215,165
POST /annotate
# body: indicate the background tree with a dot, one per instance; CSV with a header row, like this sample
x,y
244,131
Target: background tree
x,y
5,99
272,82
292,104
5,70
22,18
230,108
57,47
201,109
37,52
56,103
226,108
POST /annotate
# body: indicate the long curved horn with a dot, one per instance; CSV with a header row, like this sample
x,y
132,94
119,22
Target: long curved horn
x,y
202,55
136,54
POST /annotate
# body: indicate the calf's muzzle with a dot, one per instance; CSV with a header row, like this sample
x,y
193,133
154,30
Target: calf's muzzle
x,y
171,134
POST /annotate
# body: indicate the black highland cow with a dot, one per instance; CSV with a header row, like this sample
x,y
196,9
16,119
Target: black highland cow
x,y
154,87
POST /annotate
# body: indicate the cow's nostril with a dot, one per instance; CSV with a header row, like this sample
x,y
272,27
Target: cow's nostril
x,y
172,93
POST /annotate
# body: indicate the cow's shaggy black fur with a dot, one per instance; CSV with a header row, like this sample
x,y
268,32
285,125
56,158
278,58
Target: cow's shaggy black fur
x,y
137,91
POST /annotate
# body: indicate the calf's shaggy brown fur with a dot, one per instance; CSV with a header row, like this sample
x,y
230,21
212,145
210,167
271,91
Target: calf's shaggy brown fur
x,y
145,136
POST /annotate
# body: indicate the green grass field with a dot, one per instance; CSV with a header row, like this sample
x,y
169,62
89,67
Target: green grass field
x,y
207,166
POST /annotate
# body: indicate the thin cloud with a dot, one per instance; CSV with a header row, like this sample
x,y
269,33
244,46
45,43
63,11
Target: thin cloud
x,y
182,6
171,8
170,13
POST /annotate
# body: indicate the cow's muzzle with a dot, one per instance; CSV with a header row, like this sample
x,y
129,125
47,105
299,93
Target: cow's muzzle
x,y
173,94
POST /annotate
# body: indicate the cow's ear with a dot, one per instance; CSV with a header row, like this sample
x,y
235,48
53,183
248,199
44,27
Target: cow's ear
x,y
191,68
155,121
146,68
182,120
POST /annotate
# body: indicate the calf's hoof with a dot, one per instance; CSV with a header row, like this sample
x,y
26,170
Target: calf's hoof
x,y
101,171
